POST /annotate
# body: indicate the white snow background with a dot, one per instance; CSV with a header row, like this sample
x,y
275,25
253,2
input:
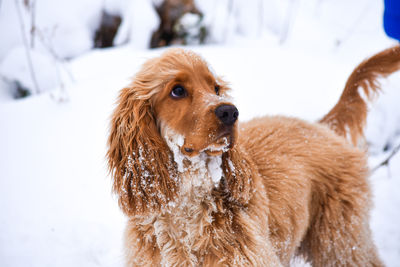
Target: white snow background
x,y
56,207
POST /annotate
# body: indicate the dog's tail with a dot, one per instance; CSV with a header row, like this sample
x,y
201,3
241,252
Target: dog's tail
x,y
347,118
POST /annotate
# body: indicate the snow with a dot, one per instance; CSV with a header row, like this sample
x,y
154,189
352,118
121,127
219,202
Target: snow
x,y
55,193
140,20
383,125
215,170
197,170
385,217
175,142
69,25
223,146
15,67
189,20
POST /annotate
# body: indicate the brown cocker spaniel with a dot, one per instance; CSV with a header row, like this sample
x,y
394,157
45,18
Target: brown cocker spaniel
x,y
200,189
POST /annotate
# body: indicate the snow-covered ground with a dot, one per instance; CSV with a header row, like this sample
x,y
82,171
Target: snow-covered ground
x,y
55,195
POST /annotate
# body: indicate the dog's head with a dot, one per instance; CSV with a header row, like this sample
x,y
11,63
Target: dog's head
x,y
174,100
191,102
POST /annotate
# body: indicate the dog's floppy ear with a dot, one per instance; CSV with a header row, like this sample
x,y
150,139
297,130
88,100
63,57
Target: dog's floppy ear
x,y
138,159
237,170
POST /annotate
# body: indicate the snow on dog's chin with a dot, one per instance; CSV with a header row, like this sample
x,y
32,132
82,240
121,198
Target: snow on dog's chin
x,y
203,164
218,148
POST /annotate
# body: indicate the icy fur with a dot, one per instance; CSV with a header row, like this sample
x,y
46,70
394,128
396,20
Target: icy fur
x,y
198,171
224,147
175,142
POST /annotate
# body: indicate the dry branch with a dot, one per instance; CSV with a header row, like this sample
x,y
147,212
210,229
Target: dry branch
x,y
27,49
387,160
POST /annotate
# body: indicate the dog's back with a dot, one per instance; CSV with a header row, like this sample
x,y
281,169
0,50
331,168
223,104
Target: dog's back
x,y
316,182
347,118
317,190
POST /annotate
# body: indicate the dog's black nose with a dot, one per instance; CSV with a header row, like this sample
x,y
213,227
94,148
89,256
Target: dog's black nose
x,y
227,114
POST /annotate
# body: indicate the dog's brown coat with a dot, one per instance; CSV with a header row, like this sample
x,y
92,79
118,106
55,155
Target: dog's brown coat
x,y
288,188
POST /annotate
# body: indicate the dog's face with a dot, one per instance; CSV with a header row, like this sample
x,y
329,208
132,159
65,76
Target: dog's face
x,y
194,103
174,104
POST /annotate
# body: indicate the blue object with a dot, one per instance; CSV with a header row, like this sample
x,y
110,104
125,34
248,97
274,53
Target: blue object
x,y
391,18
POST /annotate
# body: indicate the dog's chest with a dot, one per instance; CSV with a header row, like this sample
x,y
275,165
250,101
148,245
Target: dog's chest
x,y
193,208
187,221
183,225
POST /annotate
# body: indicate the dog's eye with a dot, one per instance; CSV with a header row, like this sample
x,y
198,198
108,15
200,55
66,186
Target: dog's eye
x,y
216,88
178,91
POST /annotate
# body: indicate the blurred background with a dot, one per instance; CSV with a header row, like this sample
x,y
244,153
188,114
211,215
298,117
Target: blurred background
x,y
62,63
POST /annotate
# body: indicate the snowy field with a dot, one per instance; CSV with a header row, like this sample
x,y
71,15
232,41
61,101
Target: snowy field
x,y
55,195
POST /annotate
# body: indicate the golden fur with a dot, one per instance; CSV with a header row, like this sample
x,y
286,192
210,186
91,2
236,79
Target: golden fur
x,y
200,193
349,115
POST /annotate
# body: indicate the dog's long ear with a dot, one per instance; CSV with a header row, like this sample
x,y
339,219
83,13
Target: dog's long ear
x,y
144,176
238,175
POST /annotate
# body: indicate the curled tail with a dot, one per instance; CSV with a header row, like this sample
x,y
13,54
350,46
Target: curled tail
x,y
347,118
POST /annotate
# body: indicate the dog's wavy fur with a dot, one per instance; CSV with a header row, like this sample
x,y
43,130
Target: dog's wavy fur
x,y
349,115
288,187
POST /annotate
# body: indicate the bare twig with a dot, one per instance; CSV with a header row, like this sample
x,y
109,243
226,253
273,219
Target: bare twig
x,y
387,160
261,16
230,13
59,63
27,49
46,41
33,19
289,20
30,6
350,31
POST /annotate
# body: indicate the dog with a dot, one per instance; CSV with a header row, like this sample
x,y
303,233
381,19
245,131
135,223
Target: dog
x,y
201,190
